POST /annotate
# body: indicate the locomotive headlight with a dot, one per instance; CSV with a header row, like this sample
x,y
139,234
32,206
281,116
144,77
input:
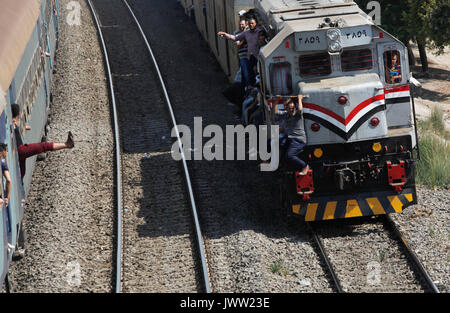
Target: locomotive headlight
x,y
334,40
334,34
335,46
318,153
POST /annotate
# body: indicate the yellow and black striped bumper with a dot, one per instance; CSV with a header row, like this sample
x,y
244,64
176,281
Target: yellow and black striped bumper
x,y
329,208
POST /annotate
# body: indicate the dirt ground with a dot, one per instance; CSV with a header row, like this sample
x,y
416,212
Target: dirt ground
x,y
435,90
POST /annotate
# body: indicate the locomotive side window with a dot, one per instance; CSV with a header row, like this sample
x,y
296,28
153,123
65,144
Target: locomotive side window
x,y
357,60
280,78
392,66
315,64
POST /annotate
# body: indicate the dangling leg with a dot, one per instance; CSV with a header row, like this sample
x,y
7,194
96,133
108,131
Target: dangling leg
x,y
28,150
69,144
294,148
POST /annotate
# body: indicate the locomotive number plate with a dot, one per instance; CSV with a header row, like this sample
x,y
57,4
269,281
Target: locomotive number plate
x,y
317,40
310,41
356,36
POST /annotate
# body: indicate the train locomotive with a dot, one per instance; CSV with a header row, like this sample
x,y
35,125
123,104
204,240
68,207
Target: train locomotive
x,y
28,40
358,108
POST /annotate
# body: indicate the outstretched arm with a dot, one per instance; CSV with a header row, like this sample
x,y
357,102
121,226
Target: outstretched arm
x,y
300,103
228,36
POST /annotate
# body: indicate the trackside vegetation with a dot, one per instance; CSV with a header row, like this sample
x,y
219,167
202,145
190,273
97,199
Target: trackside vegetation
x,y
433,169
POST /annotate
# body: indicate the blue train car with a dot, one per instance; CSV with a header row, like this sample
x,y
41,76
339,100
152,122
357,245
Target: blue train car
x,y
28,39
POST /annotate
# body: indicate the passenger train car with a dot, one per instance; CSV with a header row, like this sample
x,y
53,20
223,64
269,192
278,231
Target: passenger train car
x,y
358,108
28,39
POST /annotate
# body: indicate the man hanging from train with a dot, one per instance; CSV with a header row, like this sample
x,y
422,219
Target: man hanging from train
x,y
251,37
28,150
294,129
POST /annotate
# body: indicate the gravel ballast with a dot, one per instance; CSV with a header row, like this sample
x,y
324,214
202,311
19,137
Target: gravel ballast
x,y
426,227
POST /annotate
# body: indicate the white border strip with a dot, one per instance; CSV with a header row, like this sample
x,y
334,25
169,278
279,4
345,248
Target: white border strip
x,y
398,94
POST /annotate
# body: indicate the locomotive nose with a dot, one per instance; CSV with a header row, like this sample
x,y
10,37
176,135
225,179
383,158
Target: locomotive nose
x,y
344,107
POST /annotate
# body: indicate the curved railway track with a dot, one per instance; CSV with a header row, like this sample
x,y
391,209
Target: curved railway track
x,y
172,259
414,263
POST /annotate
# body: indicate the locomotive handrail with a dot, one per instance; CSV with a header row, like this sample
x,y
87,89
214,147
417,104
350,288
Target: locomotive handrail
x,y
305,96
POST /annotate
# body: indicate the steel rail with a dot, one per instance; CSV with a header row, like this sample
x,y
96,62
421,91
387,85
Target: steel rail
x,y
323,254
118,157
391,224
183,158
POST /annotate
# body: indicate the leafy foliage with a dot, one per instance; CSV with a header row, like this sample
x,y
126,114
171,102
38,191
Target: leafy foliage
x,y
437,21
391,17
427,21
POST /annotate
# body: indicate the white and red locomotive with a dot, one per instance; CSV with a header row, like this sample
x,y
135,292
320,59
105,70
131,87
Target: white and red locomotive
x,y
358,107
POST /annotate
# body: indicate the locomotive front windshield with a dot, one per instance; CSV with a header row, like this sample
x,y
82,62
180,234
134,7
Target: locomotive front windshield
x,y
357,60
315,64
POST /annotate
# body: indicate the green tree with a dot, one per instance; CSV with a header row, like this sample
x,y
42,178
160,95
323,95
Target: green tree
x,y
391,16
415,16
392,20
427,22
437,22
429,25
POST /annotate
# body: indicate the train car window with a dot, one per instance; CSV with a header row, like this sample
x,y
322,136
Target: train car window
x,y
357,60
280,78
315,64
392,66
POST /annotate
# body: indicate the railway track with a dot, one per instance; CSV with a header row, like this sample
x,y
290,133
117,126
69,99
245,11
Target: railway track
x,y
159,242
420,273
